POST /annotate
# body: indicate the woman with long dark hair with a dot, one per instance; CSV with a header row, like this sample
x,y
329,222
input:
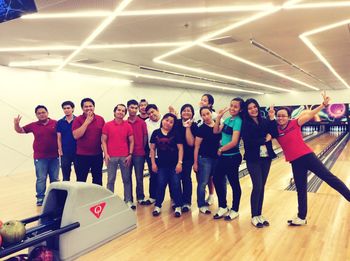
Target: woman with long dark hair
x,y
229,159
167,145
303,159
257,133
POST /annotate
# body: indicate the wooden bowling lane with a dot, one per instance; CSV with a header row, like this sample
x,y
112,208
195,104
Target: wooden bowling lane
x,y
341,170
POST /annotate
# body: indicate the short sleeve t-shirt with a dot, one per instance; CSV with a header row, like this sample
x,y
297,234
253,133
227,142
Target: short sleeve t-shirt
x,y
45,139
117,138
291,141
69,144
230,125
90,143
140,131
188,150
210,142
166,146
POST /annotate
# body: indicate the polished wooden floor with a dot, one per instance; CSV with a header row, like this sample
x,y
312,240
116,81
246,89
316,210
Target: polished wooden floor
x,y
196,236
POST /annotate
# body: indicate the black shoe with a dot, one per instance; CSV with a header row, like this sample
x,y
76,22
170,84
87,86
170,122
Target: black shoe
x,y
186,208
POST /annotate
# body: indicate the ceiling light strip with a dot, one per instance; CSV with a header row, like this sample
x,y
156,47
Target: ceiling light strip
x,y
171,11
97,31
320,5
163,79
271,10
324,60
92,46
255,65
225,76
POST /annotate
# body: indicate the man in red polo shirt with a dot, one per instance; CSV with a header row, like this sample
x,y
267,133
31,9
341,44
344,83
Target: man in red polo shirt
x,y
118,147
138,158
45,149
87,130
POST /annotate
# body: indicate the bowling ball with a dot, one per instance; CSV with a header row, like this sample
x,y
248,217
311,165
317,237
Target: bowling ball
x,y
12,232
41,253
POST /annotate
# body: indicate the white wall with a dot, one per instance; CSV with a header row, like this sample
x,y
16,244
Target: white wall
x,y
21,90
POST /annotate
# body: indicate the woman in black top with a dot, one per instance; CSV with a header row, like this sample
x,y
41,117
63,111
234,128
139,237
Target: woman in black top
x,y
187,130
257,133
205,156
167,145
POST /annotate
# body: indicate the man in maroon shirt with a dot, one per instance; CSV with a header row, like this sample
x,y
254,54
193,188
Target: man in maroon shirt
x,y
45,149
87,130
138,158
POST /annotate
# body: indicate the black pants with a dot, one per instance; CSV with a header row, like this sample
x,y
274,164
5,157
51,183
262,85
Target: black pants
x,y
228,166
152,179
258,170
310,162
66,165
87,163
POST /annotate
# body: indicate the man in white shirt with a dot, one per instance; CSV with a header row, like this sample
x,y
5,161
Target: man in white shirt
x,y
153,123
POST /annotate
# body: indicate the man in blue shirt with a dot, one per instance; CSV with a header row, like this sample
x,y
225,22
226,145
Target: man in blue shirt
x,y
65,140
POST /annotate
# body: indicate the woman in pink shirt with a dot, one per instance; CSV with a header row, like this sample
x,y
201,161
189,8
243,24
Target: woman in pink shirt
x,y
303,159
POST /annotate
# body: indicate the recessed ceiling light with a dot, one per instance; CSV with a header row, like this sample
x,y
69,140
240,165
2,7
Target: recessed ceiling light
x,y
319,5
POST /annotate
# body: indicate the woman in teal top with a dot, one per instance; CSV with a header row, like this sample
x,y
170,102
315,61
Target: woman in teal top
x,y
229,159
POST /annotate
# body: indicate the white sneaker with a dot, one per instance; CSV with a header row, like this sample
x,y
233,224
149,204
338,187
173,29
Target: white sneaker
x,y
204,210
151,200
186,208
177,212
220,213
131,205
297,221
210,200
156,211
264,221
232,215
256,222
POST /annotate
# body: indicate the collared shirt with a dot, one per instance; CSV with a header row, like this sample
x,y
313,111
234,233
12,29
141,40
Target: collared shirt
x,y
45,139
117,138
69,144
90,142
140,131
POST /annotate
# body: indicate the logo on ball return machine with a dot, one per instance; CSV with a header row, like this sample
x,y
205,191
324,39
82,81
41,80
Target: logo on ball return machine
x,y
98,209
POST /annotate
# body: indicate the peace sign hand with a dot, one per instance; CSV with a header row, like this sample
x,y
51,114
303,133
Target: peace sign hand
x,y
222,112
17,119
326,99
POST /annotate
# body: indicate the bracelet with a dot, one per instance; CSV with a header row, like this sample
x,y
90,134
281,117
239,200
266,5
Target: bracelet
x,y
130,154
179,162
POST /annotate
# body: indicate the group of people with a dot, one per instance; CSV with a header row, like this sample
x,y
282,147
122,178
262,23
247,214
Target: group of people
x,y
173,145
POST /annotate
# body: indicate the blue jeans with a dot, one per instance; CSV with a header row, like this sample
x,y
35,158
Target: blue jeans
x,y
186,182
44,167
206,168
138,162
66,165
165,176
112,168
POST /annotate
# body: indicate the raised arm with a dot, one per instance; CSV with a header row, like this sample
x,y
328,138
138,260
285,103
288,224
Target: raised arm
x,y
218,127
305,117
